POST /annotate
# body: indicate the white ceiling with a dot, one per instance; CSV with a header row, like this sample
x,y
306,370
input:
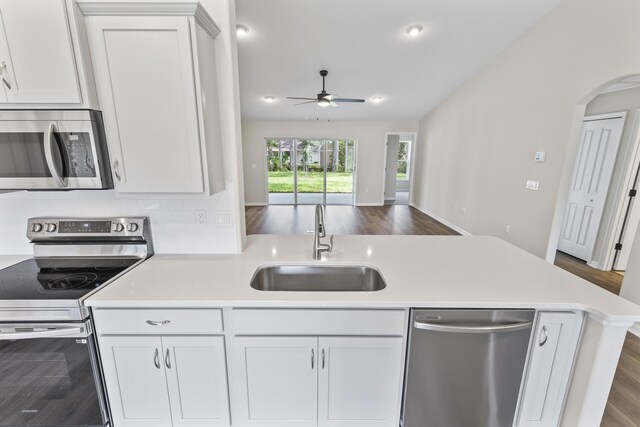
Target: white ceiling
x,y
363,45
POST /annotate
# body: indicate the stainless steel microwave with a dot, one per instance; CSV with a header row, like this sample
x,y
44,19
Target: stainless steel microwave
x,y
53,150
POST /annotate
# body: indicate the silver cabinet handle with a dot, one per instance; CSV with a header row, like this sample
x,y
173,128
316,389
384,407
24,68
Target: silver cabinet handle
x,y
488,329
313,357
167,360
3,67
323,358
158,322
48,154
544,336
156,359
115,170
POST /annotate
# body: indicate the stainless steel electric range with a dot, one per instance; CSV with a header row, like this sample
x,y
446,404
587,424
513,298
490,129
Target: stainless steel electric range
x,y
49,369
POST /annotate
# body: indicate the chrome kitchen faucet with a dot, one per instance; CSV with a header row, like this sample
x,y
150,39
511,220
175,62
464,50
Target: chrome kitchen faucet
x,y
319,233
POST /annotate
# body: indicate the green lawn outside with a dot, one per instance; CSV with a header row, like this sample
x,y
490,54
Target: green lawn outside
x,y
310,182
401,176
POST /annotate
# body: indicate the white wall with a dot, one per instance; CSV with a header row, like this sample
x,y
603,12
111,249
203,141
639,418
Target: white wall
x,y
370,157
475,151
172,217
614,102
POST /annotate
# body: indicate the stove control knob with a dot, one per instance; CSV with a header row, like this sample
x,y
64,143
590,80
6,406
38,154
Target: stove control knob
x,y
118,227
51,227
133,227
36,227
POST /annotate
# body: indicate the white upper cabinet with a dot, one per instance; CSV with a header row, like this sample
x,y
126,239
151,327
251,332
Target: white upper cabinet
x,y
41,57
162,137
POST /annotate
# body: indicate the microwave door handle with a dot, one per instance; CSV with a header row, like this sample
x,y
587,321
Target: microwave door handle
x,y
58,332
48,154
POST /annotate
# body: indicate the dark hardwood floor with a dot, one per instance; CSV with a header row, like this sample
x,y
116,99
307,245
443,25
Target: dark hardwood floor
x,y
623,406
393,219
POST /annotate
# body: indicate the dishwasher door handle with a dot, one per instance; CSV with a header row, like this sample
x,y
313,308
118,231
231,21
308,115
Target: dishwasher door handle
x,y
486,329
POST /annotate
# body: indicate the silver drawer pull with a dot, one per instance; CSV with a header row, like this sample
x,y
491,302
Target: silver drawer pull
x,y
156,359
313,357
158,322
115,170
544,336
323,358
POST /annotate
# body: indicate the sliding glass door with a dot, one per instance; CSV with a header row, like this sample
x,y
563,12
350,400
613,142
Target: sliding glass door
x,y
310,171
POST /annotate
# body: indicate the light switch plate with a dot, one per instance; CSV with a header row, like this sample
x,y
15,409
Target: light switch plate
x,y
533,185
540,156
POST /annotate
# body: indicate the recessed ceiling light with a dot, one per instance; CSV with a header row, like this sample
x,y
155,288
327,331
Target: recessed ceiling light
x,y
414,30
269,99
242,30
376,99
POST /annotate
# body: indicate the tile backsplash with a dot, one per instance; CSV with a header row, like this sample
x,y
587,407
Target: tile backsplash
x,y
179,224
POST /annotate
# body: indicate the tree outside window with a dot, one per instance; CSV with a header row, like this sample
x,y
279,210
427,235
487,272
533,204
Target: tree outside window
x,y
404,150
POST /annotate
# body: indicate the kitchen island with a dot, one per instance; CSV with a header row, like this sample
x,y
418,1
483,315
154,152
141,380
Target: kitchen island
x,y
419,271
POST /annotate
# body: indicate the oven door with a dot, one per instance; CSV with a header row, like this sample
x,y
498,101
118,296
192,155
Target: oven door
x,y
49,155
49,376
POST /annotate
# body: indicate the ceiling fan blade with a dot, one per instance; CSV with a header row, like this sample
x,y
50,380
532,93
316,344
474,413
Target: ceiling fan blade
x,y
307,102
333,104
306,99
347,100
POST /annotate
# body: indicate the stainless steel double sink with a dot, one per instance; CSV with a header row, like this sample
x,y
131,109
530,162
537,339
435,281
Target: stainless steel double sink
x,y
318,278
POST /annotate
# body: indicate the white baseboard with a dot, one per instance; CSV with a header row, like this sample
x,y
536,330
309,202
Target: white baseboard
x,y
368,204
442,220
255,204
635,329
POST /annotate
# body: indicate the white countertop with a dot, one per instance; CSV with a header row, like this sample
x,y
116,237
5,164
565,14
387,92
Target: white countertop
x,y
9,260
420,271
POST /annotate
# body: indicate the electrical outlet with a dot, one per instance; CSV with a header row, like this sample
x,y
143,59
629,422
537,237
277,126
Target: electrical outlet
x,y
201,217
507,228
532,185
464,211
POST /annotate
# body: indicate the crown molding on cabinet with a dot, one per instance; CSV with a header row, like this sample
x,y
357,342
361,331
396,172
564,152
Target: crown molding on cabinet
x,y
151,8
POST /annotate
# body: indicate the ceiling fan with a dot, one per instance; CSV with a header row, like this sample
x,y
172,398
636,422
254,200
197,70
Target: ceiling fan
x,y
324,99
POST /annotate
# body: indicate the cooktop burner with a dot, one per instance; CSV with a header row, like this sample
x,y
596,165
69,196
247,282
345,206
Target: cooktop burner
x,y
58,278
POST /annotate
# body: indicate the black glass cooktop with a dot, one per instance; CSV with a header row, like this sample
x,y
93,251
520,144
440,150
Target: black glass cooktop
x,y
68,278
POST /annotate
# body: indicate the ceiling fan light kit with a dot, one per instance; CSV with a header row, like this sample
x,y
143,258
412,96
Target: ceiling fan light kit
x,y
324,99
414,30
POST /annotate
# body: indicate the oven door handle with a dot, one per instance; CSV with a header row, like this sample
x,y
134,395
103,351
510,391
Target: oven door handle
x,y
73,331
48,155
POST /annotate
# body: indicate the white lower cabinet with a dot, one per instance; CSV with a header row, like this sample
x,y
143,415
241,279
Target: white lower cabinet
x,y
555,340
318,381
170,381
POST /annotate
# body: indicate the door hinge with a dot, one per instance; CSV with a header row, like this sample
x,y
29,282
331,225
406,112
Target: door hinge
x,y
632,193
618,246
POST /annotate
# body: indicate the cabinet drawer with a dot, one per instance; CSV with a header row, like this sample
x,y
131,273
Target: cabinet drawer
x,y
158,321
318,322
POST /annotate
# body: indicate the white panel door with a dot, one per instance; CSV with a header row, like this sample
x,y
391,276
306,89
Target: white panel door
x,y
197,381
631,223
36,46
135,379
276,381
145,77
589,186
550,363
359,381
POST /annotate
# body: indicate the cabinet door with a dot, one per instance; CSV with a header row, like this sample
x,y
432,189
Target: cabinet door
x,y
197,380
359,381
136,383
145,77
36,46
550,362
276,381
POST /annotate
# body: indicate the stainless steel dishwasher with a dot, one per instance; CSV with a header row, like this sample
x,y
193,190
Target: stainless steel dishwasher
x,y
465,367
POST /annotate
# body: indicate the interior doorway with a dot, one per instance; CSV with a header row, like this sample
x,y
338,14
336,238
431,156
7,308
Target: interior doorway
x,y
398,171
309,171
600,215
